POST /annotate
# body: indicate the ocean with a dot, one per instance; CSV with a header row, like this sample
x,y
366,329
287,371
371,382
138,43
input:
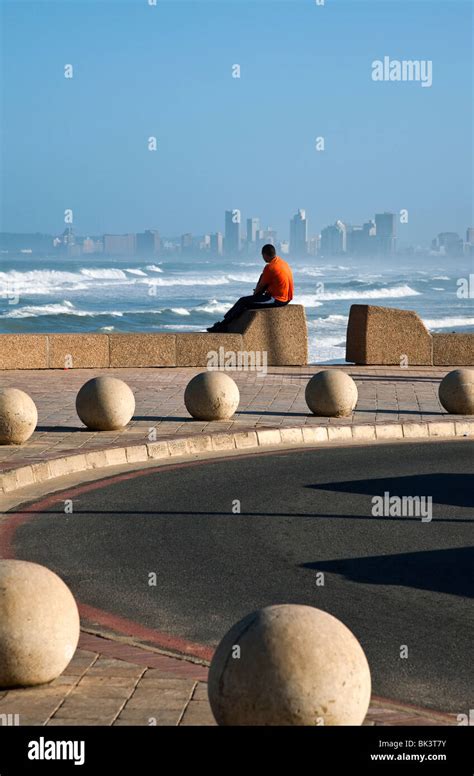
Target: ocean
x,y
185,294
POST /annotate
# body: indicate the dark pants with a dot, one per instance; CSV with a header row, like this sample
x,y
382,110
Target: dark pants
x,y
254,302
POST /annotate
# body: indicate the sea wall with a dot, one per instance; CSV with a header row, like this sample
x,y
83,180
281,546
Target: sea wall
x,y
279,333
388,336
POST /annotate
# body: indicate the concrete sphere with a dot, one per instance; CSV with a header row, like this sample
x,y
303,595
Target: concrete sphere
x,y
211,396
18,416
331,394
456,392
297,666
105,403
39,624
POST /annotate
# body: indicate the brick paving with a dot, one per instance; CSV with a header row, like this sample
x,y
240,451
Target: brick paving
x,y
110,683
386,394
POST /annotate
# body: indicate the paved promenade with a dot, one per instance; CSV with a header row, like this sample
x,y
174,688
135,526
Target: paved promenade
x,y
387,395
111,683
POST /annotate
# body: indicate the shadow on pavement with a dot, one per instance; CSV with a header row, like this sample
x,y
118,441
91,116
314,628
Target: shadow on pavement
x,y
444,488
441,571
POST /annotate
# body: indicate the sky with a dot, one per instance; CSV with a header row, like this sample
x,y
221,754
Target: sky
x,y
247,143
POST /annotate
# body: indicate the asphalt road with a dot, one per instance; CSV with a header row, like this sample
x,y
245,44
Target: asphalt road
x,y
393,580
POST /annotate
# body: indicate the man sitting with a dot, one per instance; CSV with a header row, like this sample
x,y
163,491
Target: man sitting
x,y
274,289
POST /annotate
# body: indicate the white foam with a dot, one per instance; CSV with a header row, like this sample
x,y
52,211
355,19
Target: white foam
x,y
311,271
60,308
321,352
243,277
180,281
136,272
447,323
330,320
153,268
181,327
308,300
33,311
104,274
39,281
374,293
440,277
213,307
180,311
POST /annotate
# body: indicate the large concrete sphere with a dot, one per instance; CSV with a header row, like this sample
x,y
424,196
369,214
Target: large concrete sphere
x,y
331,394
18,416
297,666
456,392
39,624
211,396
105,403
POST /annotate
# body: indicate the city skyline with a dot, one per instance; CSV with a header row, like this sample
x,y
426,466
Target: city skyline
x,y
376,236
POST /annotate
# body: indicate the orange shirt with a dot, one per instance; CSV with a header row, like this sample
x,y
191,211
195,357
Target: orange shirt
x,y
278,278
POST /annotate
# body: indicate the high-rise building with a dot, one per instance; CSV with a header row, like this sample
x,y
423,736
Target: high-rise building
x,y
260,240
148,243
449,243
217,244
470,236
253,225
344,229
186,243
205,242
355,240
120,244
232,232
385,233
333,239
299,234
68,245
270,236
88,245
361,239
313,246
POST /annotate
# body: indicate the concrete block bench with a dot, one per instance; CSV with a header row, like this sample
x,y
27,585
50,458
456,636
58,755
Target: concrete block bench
x,y
386,336
281,333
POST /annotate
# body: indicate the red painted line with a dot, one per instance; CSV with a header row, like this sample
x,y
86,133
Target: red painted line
x,y
77,490
7,532
127,627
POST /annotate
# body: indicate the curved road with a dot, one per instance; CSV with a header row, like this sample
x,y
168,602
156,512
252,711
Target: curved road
x,y
393,580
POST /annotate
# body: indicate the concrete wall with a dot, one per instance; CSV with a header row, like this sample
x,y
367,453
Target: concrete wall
x,y
385,335
282,333
453,349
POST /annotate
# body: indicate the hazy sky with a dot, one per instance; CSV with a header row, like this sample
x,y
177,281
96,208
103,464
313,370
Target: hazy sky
x,y
224,142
